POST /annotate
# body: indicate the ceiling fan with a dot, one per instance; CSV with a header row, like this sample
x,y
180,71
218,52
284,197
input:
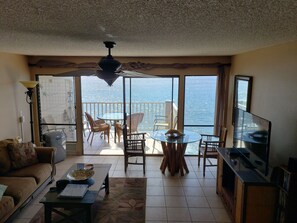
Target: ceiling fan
x,y
107,69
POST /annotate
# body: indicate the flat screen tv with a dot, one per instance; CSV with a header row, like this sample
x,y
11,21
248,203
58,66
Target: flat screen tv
x,y
252,138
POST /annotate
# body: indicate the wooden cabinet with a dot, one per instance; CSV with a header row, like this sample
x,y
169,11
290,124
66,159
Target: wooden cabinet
x,y
248,197
287,197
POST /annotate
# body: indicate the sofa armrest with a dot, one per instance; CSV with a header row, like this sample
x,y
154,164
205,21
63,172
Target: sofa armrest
x,y
47,155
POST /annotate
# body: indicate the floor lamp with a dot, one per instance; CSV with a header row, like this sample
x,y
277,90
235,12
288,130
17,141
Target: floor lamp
x,y
30,85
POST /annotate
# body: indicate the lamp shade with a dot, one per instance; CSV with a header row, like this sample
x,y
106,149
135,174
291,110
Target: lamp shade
x,y
29,84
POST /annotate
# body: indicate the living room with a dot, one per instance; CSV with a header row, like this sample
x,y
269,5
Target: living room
x,y
273,68
272,94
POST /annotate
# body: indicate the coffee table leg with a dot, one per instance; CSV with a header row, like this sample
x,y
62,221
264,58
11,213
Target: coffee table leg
x,y
47,214
107,184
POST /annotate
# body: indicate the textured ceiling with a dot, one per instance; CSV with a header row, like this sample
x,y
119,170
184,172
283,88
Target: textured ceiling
x,y
145,27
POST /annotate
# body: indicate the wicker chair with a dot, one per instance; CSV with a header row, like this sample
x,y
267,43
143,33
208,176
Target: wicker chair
x,y
97,126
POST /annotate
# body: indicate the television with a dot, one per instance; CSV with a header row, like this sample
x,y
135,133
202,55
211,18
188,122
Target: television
x,y
252,138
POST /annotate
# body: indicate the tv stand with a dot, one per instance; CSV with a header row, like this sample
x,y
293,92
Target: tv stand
x,y
248,196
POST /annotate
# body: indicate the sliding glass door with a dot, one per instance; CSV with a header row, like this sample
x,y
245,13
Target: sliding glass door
x,y
200,105
100,101
151,96
154,97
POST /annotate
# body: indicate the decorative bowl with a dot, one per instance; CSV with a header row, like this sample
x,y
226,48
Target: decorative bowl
x,y
89,166
173,134
80,174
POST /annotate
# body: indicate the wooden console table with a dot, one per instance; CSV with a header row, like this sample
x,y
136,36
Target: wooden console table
x,y
247,195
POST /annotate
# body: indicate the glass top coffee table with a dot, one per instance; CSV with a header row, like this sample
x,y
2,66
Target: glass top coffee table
x,y
99,181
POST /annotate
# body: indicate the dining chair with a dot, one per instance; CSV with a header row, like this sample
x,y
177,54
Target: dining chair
x,y
134,146
97,126
132,122
208,147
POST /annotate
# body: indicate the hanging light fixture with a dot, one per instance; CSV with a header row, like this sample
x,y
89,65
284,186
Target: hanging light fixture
x,y
30,85
108,77
110,67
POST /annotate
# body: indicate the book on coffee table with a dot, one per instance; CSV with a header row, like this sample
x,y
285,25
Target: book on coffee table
x,y
74,191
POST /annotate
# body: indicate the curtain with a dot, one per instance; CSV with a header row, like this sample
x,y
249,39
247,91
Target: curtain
x,y
222,98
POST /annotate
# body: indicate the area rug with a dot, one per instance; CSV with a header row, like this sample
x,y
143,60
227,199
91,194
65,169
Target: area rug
x,y
125,203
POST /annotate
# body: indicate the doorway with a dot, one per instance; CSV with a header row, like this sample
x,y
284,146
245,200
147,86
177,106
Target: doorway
x,y
143,95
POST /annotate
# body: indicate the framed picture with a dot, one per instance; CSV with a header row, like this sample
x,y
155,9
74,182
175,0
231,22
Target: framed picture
x,y
242,93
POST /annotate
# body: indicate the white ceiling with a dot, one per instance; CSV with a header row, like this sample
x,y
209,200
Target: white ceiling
x,y
145,27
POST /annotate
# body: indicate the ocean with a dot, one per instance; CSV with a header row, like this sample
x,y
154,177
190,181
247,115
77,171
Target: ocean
x,y
200,94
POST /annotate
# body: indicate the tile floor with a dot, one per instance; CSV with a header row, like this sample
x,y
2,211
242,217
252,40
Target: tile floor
x,y
101,147
190,198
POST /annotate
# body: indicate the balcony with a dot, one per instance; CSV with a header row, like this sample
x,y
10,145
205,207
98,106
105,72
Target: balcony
x,y
150,110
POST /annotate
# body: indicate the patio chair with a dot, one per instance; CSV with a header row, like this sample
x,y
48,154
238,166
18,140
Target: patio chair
x,y
208,145
97,126
164,122
134,146
132,122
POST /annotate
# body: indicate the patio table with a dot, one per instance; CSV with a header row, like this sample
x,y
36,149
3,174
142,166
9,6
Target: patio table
x,y
113,117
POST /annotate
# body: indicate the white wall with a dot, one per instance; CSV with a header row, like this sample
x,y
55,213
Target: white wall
x,y
274,94
13,68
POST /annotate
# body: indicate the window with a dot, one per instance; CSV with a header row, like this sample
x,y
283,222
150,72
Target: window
x,y
57,105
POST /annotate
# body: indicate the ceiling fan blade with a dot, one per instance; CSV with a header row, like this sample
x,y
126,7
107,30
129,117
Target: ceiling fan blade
x,y
128,73
77,73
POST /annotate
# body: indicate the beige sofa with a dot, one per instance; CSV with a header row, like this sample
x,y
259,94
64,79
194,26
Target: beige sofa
x,y
25,183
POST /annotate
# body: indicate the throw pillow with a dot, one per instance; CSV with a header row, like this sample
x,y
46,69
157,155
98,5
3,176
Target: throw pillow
x,y
4,156
2,190
22,154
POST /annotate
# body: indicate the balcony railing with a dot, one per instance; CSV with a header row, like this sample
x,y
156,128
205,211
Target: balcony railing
x,y
150,110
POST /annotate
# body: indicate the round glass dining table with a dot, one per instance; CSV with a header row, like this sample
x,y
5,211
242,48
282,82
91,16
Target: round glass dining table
x,y
174,150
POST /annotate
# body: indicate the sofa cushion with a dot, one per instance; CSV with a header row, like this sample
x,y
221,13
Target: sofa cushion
x,y
2,190
6,207
4,156
22,155
40,171
20,188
